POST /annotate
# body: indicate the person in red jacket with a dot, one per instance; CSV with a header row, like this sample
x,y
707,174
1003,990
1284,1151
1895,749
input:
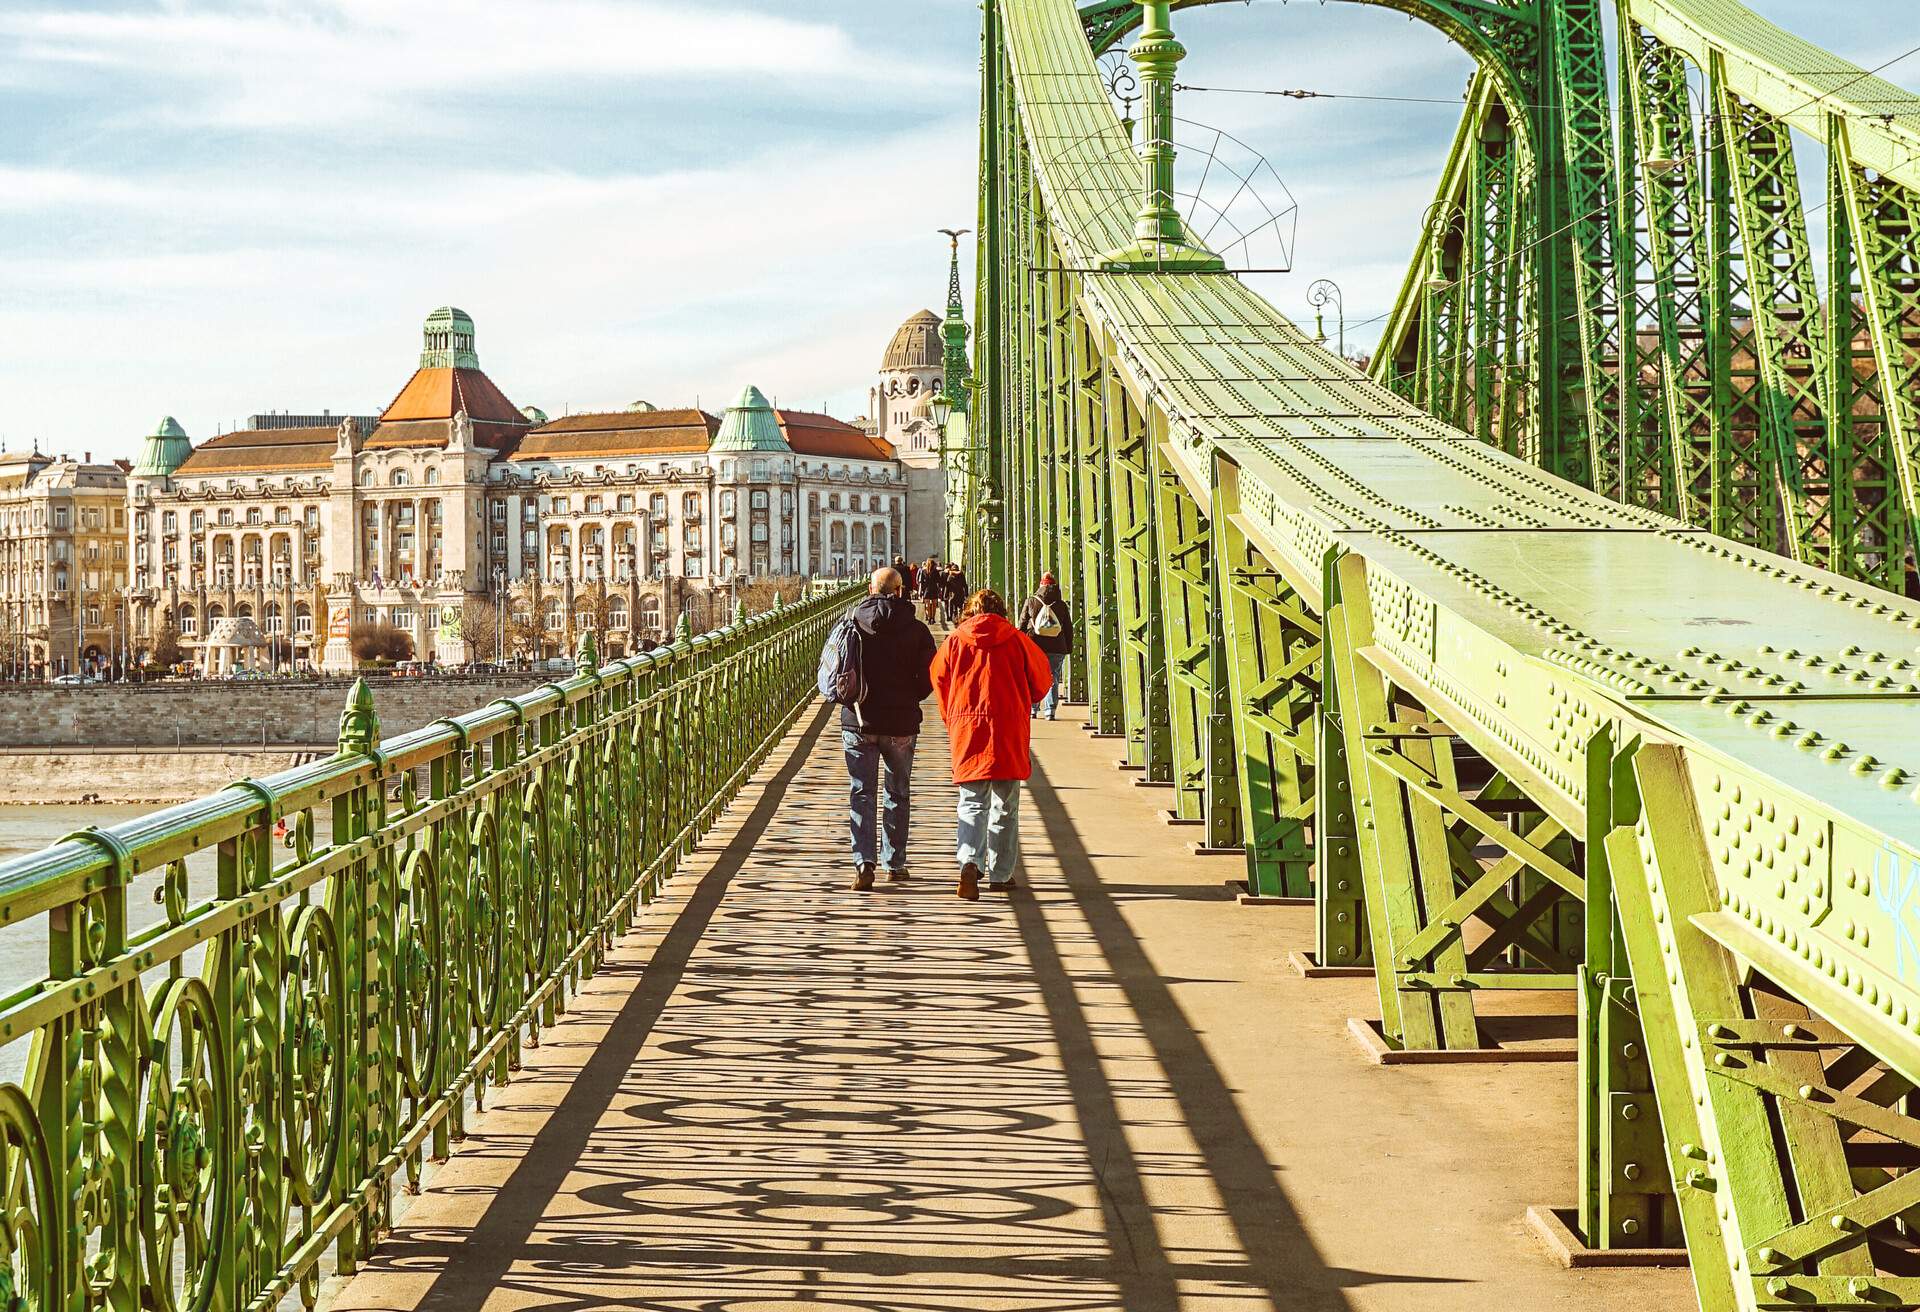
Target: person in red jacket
x,y
988,675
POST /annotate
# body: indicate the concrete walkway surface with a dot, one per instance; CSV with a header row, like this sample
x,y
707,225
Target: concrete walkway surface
x,y
1105,1090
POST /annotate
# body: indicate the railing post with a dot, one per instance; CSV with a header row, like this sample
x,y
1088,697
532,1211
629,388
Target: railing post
x,y
356,922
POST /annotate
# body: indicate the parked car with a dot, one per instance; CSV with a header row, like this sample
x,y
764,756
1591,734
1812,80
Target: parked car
x,y
69,681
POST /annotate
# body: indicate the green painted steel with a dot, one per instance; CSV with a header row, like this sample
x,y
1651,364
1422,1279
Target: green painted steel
x,y
251,1029
1644,740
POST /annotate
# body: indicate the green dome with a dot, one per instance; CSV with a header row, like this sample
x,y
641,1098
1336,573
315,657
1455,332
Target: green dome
x,y
750,425
164,450
535,415
448,340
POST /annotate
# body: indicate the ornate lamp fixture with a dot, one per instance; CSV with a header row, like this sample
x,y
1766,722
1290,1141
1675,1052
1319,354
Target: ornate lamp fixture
x,y
1160,241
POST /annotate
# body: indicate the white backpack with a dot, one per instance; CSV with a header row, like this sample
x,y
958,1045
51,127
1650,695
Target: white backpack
x,y
1046,623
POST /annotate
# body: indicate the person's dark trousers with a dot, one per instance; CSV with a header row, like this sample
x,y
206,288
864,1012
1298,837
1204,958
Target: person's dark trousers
x,y
865,752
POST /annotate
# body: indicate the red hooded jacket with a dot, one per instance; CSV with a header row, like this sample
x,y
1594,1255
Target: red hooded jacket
x,y
988,675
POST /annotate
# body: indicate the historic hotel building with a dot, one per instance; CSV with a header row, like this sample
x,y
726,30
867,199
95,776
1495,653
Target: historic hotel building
x,y
310,527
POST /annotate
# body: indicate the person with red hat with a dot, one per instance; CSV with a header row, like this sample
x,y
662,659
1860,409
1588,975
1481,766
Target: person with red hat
x,y
1048,620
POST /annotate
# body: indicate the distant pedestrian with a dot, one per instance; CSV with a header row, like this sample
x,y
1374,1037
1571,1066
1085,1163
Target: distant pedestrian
x,y
956,594
932,590
905,571
988,675
1048,620
880,723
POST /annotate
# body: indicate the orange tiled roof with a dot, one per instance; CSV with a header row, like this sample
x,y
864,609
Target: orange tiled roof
x,y
622,433
443,393
263,450
812,434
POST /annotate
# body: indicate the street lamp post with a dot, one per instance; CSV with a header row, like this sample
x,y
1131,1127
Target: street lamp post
x,y
1318,295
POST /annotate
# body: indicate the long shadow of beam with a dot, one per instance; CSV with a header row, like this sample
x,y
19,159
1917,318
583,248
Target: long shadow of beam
x,y
1281,1259
482,1262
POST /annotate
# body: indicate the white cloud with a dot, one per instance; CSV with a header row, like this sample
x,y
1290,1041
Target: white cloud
x,y
790,271
300,63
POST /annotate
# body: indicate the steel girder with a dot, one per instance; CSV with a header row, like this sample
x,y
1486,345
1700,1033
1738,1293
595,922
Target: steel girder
x,y
1652,763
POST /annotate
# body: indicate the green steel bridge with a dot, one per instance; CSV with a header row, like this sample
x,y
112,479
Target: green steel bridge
x,y
1568,650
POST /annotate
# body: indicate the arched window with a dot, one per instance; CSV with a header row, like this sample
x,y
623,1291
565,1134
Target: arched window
x,y
273,618
433,475
650,615
243,611
398,478
215,612
913,387
189,623
617,613
556,615
859,538
302,618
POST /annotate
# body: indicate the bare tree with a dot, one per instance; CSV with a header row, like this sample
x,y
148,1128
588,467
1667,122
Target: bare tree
x,y
380,643
479,623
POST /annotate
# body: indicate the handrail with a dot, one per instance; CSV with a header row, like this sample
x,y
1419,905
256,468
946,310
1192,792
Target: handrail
x,y
216,1095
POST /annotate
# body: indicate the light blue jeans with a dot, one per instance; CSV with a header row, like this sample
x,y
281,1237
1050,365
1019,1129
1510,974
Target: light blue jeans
x,y
864,752
990,827
1057,662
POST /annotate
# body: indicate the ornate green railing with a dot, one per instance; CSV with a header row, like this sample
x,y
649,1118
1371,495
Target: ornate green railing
x,y
219,1092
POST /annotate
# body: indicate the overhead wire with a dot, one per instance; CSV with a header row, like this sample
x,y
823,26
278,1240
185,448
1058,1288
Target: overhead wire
x,y
1639,188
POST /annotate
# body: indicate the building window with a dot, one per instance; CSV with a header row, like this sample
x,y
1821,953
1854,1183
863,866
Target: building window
x,y
253,515
657,505
594,505
189,623
302,619
562,505
556,617
313,517
759,501
499,512
402,618
398,478
433,476
727,503
226,518
625,504
199,520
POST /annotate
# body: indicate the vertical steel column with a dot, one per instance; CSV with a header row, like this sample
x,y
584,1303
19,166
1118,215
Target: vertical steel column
x,y
1272,660
1137,562
1626,1190
990,422
1788,332
1186,599
1396,840
1097,602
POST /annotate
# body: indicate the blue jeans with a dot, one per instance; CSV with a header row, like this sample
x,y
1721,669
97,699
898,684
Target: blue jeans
x,y
990,827
864,752
1057,662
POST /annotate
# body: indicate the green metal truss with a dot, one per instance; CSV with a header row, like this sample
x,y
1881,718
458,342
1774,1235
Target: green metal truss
x,y
1512,732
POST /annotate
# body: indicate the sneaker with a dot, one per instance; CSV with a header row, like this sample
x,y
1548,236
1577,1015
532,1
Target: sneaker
x,y
897,875
969,889
863,877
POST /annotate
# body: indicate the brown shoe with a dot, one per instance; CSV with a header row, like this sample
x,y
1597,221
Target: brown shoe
x,y
863,877
897,875
969,889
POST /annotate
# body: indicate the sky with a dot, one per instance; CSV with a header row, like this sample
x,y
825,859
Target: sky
x,y
210,208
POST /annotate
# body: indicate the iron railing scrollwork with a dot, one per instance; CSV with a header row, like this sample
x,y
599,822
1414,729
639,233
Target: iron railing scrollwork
x,y
246,1037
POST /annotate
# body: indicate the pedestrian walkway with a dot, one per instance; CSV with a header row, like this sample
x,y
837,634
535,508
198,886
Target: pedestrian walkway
x,y
1102,1091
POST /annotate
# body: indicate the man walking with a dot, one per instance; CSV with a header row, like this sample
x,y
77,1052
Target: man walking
x,y
896,653
1048,620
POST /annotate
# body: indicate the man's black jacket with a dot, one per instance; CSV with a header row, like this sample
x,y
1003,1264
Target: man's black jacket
x,y
896,652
